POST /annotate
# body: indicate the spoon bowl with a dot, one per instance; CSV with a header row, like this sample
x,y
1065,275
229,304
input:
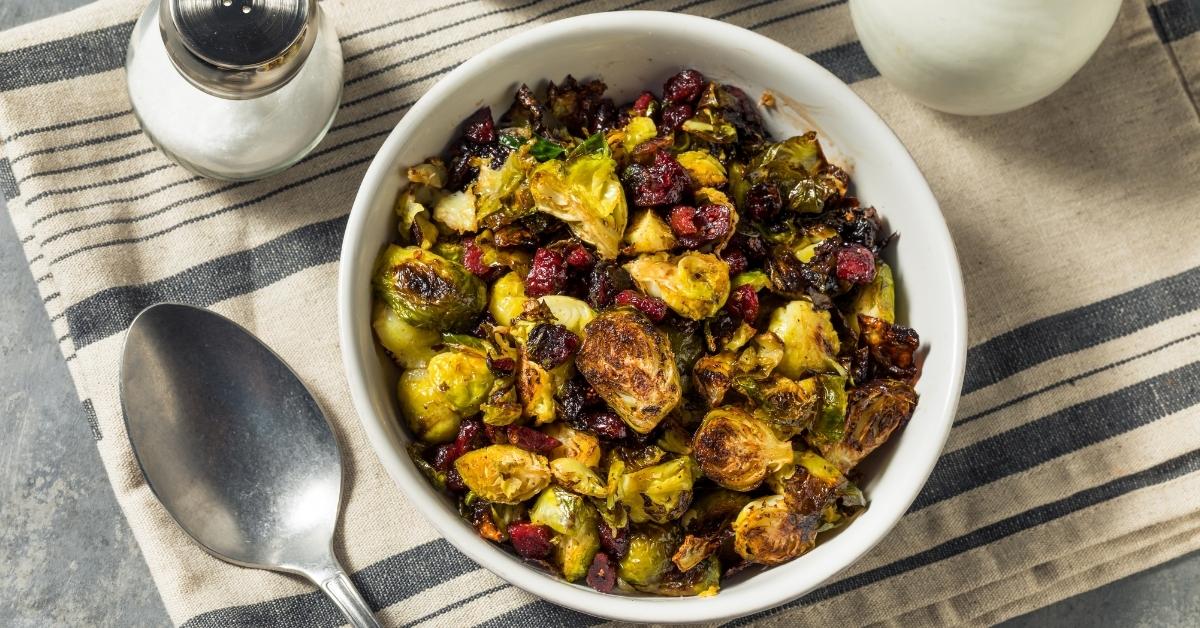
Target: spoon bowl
x,y
235,447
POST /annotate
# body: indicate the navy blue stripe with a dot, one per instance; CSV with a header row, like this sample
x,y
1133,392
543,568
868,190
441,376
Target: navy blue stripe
x,y
99,184
402,20
8,182
66,125
79,55
382,584
112,310
1061,433
1175,19
848,62
1081,328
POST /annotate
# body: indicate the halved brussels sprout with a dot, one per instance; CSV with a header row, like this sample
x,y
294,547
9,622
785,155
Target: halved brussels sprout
x,y
425,408
712,375
457,211
810,342
815,483
503,405
576,477
759,359
659,493
703,580
586,194
782,401
574,520
693,284
576,444
572,313
503,474
427,290
536,388
674,439
507,299
875,411
769,532
463,377
409,346
638,130
736,450
649,555
648,233
830,424
630,365
705,169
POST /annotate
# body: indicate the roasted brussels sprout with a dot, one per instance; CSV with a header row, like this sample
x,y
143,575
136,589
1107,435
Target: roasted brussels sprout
x,y
705,169
798,166
875,410
576,477
876,299
736,450
649,556
503,474
810,342
572,313
830,424
769,532
536,388
693,284
586,194
648,233
703,580
756,278
707,526
576,444
659,493
507,300
409,346
457,211
574,520
890,350
638,130
814,484
630,365
712,375
501,196
782,401
425,408
427,290
463,377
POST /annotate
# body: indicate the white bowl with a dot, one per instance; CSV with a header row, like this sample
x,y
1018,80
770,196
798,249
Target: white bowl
x,y
633,51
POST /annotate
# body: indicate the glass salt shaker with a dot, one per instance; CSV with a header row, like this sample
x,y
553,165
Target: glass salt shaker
x,y
234,89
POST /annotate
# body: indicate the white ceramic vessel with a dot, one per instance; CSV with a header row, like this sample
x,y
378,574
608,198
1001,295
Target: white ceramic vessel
x,y
980,57
633,51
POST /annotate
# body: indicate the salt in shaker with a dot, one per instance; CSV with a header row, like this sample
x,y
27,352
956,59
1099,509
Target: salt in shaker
x,y
234,89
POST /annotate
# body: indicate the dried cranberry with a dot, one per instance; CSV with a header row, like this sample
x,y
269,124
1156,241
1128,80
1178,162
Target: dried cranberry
x,y
684,87
531,439
454,481
674,115
578,256
642,104
751,245
654,308
763,201
615,541
855,264
683,221
467,439
707,224
661,183
547,275
604,283
743,303
479,127
573,401
473,259
606,424
502,366
601,576
736,260
550,345
531,540
603,117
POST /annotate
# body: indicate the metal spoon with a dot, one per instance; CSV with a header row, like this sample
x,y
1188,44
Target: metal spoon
x,y
235,447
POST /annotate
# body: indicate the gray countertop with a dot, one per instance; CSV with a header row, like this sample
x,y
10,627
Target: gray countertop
x,y
70,558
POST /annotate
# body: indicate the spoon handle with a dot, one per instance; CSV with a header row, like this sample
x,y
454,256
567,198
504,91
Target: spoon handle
x,y
335,584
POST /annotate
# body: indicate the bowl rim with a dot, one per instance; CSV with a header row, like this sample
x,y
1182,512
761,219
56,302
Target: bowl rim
x,y
490,557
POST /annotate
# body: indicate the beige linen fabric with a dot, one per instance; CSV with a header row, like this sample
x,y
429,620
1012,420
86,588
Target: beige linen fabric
x,y
1076,455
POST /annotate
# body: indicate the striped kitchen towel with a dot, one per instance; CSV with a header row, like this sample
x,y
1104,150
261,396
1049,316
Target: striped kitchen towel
x,y
1075,458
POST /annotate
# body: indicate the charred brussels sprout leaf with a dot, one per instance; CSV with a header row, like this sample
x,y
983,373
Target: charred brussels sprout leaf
x,y
694,285
703,580
712,376
875,411
586,194
639,129
427,290
630,365
649,556
891,348
736,450
813,486
659,493
503,474
782,401
810,342
576,444
409,346
575,476
798,167
576,537
769,532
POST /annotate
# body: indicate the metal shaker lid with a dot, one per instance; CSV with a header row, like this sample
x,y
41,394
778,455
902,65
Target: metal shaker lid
x,y
238,49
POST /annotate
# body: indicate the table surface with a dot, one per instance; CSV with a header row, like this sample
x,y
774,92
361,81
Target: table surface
x,y
71,559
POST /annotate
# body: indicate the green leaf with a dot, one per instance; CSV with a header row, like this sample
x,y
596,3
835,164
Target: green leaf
x,y
593,144
545,150
511,141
